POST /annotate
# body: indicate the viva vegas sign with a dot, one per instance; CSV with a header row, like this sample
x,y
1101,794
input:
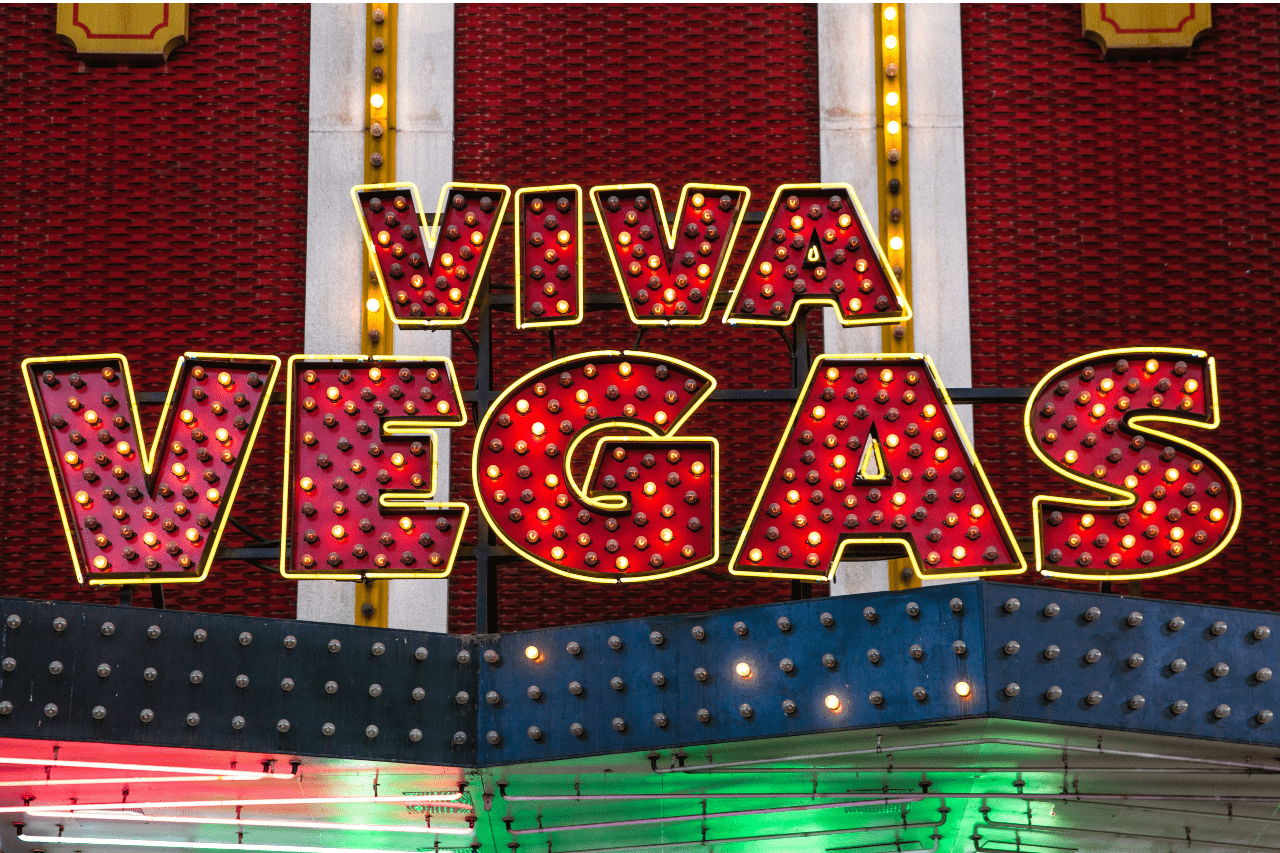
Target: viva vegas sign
x,y
872,454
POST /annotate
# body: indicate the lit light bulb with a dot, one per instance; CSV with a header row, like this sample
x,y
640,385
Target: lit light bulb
x,y
886,375
222,435
100,562
697,468
224,379
814,538
957,553
1086,521
372,304
213,495
406,523
446,260
1148,507
557,553
892,98
82,498
186,417
832,374
755,555
839,462
150,539
562,237
891,12
179,470
793,496
819,413
562,307
895,243
899,498
494,472
1215,514
522,406
538,428
624,369
376,101
338,532
1152,365
544,514
963,689
832,702
193,535
91,417
1128,541
552,481
891,43
743,669
532,652
1191,386
72,457
893,127
1070,457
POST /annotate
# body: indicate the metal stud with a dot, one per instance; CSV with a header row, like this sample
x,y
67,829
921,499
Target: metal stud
x,y
574,648
1177,623
245,638
328,729
1262,632
869,613
617,683
784,624
6,708
1263,717
237,722
959,647
464,657
290,641
829,660
371,732
788,707
660,720
1263,674
957,605
149,674
1053,694
1177,665
745,710
704,716
1052,652
658,679
1218,628
493,697
1092,656
99,712
916,651
615,642
1051,610
827,620
876,698
463,697
1012,647
14,621
534,692
740,628
60,625
418,694
242,681
575,688
655,637
1012,689
415,735
699,633
196,676
282,726
147,715
55,667
535,733
1222,711
919,693
375,690
491,656
199,635
420,653
378,649
1137,702
286,684
1135,660
1093,698
492,737
786,665
618,724
335,646
1221,670
459,738
1093,614
153,631
193,719
1012,605
8,664
1134,619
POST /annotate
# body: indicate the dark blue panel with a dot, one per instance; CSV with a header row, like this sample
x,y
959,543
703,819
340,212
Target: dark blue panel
x,y
1113,677
722,694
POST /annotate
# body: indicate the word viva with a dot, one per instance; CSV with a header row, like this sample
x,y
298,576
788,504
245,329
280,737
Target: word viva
x,y
872,456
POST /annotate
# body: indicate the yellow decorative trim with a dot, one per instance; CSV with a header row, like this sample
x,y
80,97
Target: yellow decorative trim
x,y
123,30
1144,28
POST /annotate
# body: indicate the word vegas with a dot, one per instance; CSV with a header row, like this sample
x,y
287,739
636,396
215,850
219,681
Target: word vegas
x,y
872,455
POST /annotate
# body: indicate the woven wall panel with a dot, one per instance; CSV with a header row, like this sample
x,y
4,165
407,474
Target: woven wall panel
x,y
624,93
175,198
1129,202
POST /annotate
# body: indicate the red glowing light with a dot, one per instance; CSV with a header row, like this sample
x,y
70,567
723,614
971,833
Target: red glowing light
x,y
860,467
360,468
133,515
651,504
1173,504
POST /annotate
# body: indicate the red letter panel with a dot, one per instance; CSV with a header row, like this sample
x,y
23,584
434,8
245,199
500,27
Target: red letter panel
x,y
360,468
1173,504
873,456
133,515
548,243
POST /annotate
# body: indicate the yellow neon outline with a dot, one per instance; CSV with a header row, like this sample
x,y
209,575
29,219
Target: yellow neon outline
x,y
146,455
673,427
429,235
518,220
873,454
669,235
826,299
906,360
404,427
1134,422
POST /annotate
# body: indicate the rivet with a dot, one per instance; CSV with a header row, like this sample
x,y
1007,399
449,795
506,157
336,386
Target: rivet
x,y
8,664
378,649
784,624
827,620
1135,660
699,633
788,707
328,729
913,609
655,637
658,679
1093,698
150,673
55,667
619,724
60,625
193,720
1092,656
1262,632
147,715
1012,689
876,697
1222,711
616,683
335,646
576,729
14,621
282,726
1178,665
829,660
916,651
660,720
1176,623
286,684
290,641
1221,670
1052,652
415,735
1137,702
6,708
704,716
463,697
1051,610
740,628
245,638
959,647
869,613
575,688
459,738
1134,619
492,737
153,631
418,694
1011,605
1092,614
420,653
1218,629
1012,647
1263,674
196,676
615,643
331,687
1264,717
919,693
464,657
237,722
493,697
785,664
371,732
491,656
957,606
199,635
1053,694
242,681
745,710
534,692
574,648
99,712
108,629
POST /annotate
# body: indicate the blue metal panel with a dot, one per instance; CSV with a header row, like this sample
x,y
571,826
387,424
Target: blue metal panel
x,y
848,638
1112,676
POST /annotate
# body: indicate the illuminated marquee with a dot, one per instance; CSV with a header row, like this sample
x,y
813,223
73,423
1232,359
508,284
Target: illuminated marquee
x,y
138,515
548,243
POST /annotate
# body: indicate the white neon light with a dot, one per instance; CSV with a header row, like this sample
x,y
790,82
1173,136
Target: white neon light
x,y
193,845
249,802
113,780
153,768
282,824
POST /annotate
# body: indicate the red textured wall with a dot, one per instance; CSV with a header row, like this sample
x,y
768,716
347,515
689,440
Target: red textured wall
x,y
1129,202
172,202
611,94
